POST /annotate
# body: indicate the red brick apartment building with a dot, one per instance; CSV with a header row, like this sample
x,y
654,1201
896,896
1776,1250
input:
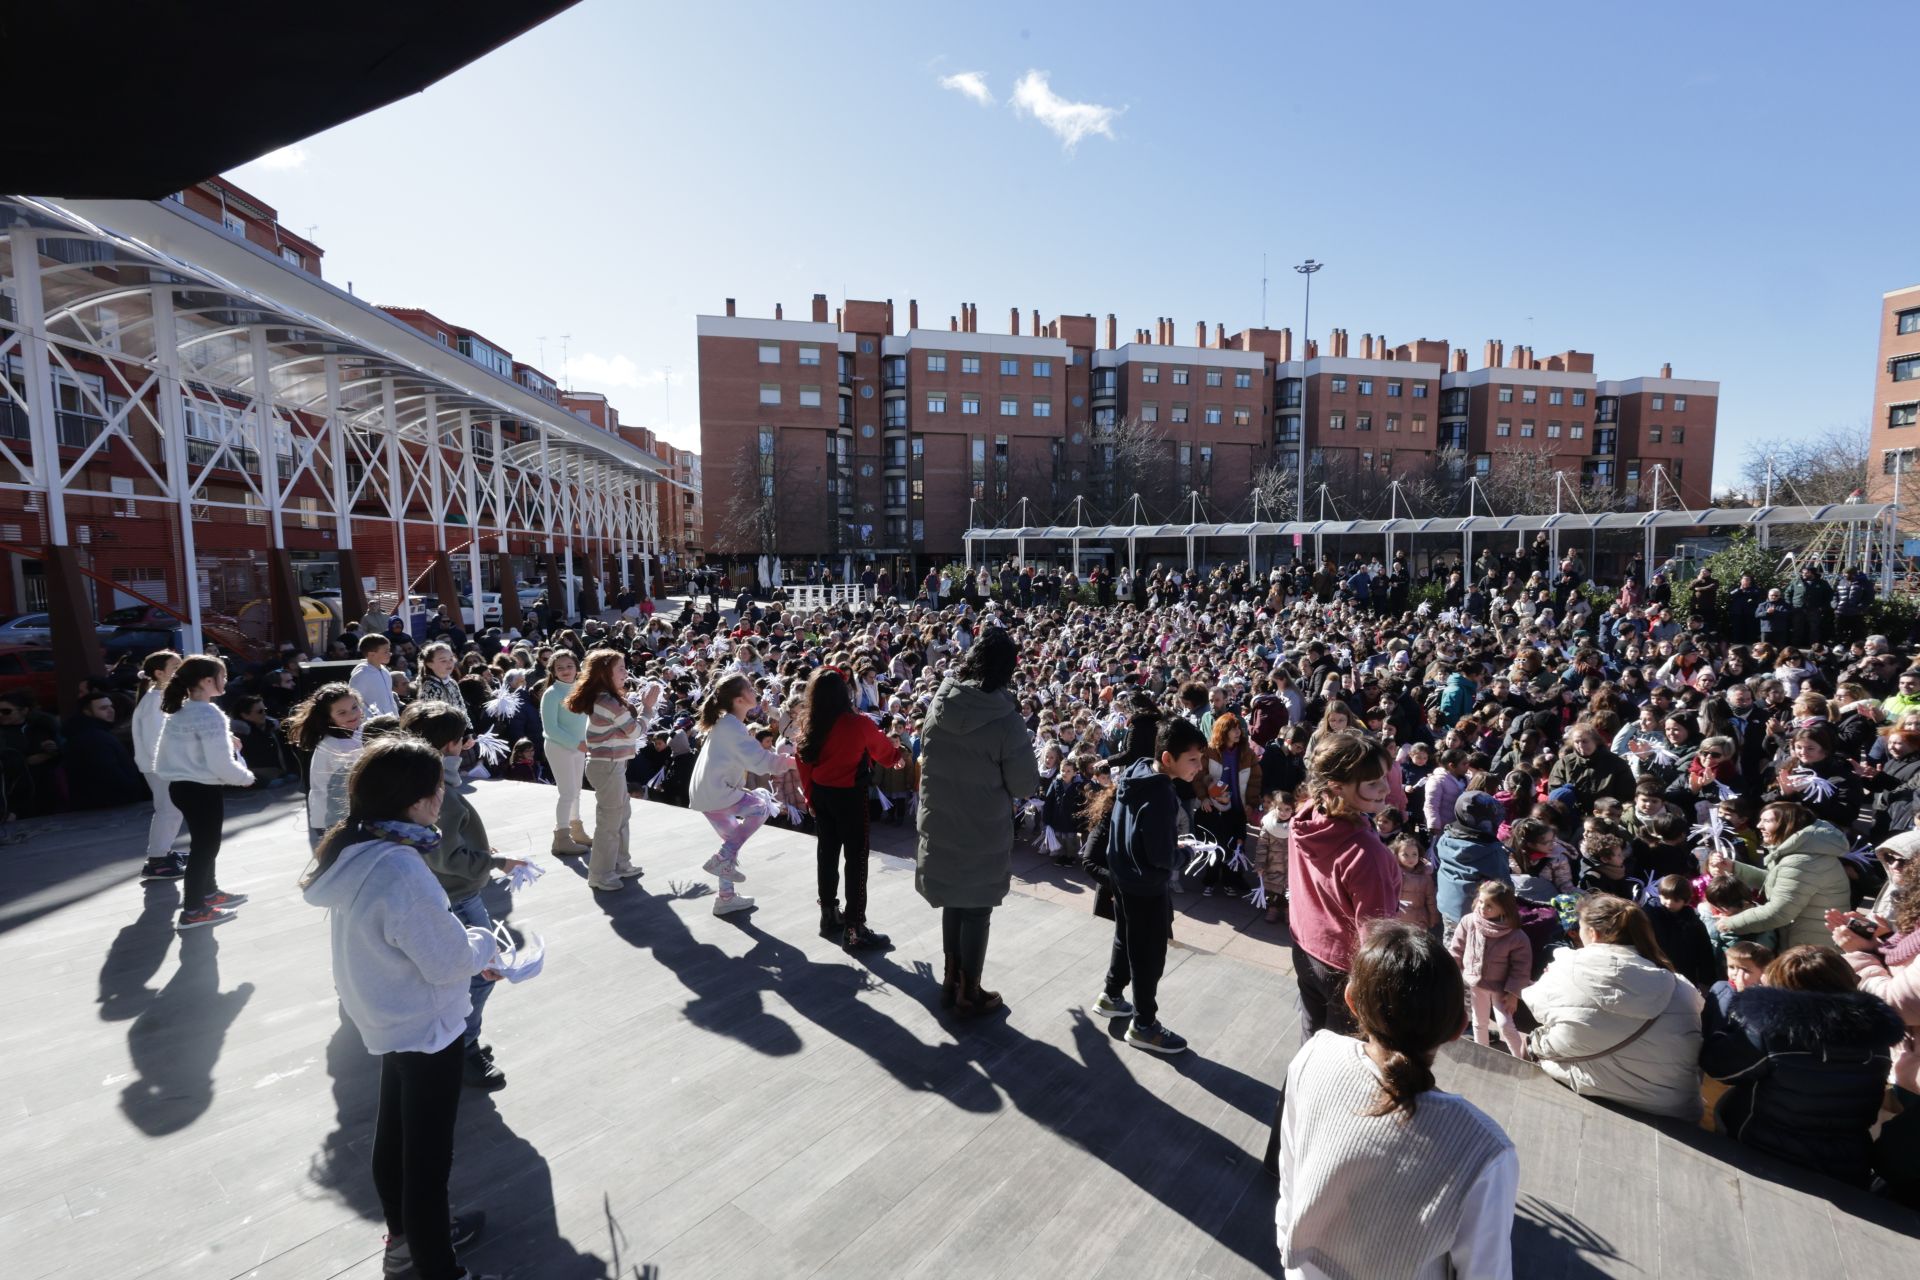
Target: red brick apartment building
x,y
1896,399
852,433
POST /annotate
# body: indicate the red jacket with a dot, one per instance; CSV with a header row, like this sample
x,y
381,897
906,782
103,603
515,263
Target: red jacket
x,y
852,737
1339,875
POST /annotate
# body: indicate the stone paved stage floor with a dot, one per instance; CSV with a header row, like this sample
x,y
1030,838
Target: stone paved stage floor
x,y
737,1098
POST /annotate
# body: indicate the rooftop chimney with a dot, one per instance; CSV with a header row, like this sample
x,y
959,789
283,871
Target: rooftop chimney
x,y
1219,336
836,319
1199,333
777,313
729,306
889,317
1313,349
1459,359
819,308
953,323
1013,321
1666,370
1113,332
1366,346
1286,345
1036,325
913,313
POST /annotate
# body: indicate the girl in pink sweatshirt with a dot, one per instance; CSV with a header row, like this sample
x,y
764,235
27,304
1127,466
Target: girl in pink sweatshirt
x,y
1496,960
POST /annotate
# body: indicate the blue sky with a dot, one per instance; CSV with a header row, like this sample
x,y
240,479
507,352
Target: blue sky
x,y
1728,187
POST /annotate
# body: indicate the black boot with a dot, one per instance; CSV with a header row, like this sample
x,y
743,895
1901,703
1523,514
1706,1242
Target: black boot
x,y
831,925
860,938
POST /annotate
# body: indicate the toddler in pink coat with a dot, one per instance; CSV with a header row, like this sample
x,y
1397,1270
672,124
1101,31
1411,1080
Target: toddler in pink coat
x,y
1496,960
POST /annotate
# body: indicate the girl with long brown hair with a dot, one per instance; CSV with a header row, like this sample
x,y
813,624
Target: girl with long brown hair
x,y
614,725
197,757
719,787
156,670
838,749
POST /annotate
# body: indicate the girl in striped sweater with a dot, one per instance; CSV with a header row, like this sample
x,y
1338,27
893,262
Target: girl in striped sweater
x,y
614,727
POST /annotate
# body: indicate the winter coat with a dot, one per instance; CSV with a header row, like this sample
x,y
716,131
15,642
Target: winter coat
x,y
1492,957
1743,603
1808,1069
464,860
1248,783
327,780
1683,936
1803,879
1898,985
976,763
1854,595
729,754
1814,594
1590,1000
1339,876
1418,903
1141,831
1592,777
195,744
1466,860
1774,617
1456,699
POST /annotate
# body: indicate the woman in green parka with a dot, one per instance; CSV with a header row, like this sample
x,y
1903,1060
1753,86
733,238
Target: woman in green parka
x,y
1590,769
1803,876
976,764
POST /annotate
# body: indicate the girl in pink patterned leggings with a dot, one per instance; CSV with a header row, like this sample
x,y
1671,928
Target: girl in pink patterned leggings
x,y
720,782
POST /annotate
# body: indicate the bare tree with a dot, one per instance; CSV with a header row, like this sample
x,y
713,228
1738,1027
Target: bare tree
x,y
1132,457
1812,470
1522,481
751,522
1275,486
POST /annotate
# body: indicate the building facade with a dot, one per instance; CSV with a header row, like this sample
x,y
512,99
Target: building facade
x,y
857,432
1896,399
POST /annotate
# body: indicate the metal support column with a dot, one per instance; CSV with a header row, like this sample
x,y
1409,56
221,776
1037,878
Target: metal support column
x,y
396,505
173,442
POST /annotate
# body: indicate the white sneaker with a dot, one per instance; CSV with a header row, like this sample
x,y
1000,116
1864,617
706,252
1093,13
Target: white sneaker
x,y
725,869
733,902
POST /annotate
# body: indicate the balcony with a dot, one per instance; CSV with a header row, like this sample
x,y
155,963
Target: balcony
x,y
77,430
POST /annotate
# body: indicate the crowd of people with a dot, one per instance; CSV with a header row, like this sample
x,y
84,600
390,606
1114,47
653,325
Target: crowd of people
x,y
1659,856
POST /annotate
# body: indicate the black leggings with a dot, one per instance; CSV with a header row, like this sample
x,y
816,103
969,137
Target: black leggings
x,y
204,808
1323,996
413,1152
1142,926
963,934
840,825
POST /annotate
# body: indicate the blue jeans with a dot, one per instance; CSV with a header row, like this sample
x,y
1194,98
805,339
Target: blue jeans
x,y
472,912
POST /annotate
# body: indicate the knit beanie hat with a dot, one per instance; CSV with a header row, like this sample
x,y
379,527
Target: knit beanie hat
x,y
1478,811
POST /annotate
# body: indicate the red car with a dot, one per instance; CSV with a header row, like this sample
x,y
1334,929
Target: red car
x,y
30,668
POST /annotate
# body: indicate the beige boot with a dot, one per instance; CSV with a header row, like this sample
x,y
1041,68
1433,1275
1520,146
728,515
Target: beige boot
x,y
580,836
566,846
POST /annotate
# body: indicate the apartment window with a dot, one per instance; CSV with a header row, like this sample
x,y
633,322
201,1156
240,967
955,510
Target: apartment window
x,y
809,356
1366,460
809,397
1555,397
1393,422
1001,459
1553,431
1419,423
1906,369
1009,368
1179,377
1653,434
1678,435
1576,431
1009,408
1043,368
1526,430
1903,415
291,255
979,467
1679,404
769,353
1213,377
1506,395
1419,391
1677,468
1242,417
1211,415
1895,461
1579,398
1179,413
232,223
936,362
1242,379
1366,386
1632,474
1336,422
1149,374
1363,422
1907,321
1042,407
866,346
969,364
969,405
1338,384
769,393
1149,412
1529,395
1288,430
1393,391
936,403
1659,402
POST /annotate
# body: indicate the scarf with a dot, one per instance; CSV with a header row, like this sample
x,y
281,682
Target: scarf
x,y
1900,949
411,834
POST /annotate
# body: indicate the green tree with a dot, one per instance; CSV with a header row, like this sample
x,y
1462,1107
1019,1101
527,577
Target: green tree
x,y
1743,555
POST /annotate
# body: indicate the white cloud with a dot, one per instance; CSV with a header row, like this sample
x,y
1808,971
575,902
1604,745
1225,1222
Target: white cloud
x,y
291,157
971,83
597,371
1070,121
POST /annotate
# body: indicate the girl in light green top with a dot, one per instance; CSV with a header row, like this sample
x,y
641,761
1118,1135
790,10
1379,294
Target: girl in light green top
x,y
565,732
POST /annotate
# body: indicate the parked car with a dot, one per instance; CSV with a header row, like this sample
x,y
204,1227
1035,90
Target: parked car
x,y
30,668
36,628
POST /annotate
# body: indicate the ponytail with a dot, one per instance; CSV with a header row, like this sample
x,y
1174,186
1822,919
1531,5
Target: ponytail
x,y
187,678
1617,921
715,704
152,665
1409,999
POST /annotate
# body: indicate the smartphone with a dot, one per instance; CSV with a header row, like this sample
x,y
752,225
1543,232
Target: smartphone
x,y
1864,928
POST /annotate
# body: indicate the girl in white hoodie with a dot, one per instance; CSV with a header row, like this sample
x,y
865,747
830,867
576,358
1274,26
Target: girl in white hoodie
x,y
198,757
156,669
326,729
401,964
720,782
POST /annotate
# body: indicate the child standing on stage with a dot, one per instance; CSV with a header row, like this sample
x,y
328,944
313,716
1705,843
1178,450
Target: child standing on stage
x,y
326,728
1496,960
156,669
197,757
720,782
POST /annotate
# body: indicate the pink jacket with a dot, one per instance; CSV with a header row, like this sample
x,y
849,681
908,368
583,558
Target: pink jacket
x,y
1493,957
1418,903
1899,987
1339,876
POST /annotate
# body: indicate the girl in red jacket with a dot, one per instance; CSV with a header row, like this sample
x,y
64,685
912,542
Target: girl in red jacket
x,y
1496,960
839,748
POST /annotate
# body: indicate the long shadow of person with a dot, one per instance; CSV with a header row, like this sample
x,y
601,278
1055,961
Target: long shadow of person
x,y
342,1165
176,1042
137,953
500,1171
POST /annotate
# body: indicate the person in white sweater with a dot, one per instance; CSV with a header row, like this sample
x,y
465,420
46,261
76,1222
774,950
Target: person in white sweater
x,y
1382,1174
163,863
719,787
197,757
371,679
326,729
402,964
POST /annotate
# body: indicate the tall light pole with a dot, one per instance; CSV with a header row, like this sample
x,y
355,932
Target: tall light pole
x,y
1306,269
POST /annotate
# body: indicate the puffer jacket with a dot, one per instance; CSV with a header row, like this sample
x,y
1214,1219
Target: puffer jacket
x,y
1492,957
1590,1000
1339,876
1593,777
1803,878
1456,699
976,763
1808,1069
1897,983
1466,860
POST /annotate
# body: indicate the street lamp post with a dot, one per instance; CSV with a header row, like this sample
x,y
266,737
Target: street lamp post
x,y
1306,269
